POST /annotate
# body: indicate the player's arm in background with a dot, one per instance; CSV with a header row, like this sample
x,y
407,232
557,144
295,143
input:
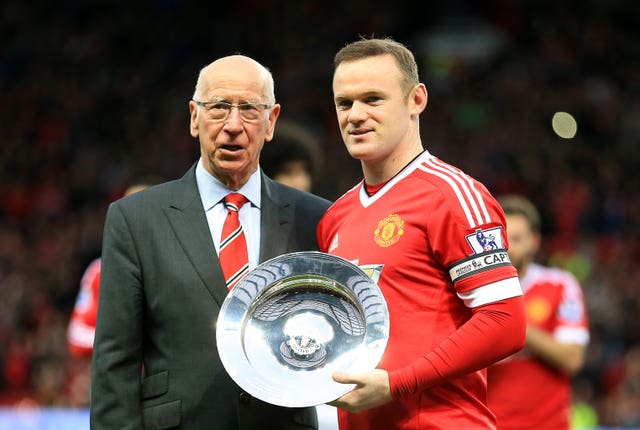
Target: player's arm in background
x,y
565,349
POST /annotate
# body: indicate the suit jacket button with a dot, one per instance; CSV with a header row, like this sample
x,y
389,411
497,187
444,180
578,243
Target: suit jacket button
x,y
245,397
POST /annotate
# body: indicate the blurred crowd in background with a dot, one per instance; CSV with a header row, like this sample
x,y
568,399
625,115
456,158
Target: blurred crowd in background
x,y
95,96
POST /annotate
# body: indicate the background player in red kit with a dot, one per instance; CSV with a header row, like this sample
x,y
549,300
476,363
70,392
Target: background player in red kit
x,y
82,325
557,334
454,299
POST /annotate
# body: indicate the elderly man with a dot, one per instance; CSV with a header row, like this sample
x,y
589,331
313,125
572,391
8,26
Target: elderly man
x,y
171,253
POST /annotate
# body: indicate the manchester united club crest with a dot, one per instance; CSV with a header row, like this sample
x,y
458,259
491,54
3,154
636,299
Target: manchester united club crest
x,y
389,230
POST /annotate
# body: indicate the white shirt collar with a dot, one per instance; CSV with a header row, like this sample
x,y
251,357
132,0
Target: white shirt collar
x,y
212,191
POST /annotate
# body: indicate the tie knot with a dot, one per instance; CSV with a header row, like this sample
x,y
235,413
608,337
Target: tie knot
x,y
234,201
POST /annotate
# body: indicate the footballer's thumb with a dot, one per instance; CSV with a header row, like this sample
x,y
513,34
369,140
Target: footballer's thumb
x,y
343,378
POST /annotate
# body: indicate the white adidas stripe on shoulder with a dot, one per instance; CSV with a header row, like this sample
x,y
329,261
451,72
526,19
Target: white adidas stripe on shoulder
x,y
469,198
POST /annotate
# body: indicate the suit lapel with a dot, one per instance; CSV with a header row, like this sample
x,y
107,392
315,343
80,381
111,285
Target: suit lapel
x,y
186,216
276,221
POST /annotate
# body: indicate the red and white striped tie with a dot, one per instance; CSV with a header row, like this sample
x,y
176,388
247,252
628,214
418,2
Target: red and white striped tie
x,y
233,245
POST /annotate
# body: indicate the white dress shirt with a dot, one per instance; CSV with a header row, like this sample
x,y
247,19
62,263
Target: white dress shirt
x,y
212,193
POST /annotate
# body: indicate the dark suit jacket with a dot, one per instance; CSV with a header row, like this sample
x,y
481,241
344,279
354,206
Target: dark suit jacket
x,y
160,294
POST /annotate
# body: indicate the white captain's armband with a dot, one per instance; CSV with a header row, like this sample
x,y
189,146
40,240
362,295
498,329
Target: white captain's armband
x,y
478,263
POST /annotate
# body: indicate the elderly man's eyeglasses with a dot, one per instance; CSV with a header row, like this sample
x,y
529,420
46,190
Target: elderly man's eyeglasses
x,y
219,111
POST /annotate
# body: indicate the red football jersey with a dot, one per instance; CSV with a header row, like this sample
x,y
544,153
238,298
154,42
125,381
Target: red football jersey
x,y
440,238
523,391
82,325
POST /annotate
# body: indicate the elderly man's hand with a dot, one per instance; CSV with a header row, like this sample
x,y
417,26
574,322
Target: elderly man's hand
x,y
372,390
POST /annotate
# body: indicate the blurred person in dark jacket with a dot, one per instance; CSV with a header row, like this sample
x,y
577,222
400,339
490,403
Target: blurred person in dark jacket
x,y
292,158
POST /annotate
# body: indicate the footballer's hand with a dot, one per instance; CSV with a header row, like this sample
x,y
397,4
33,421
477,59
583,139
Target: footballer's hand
x,y
371,390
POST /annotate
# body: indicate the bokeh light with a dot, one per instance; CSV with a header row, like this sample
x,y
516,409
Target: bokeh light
x,y
564,125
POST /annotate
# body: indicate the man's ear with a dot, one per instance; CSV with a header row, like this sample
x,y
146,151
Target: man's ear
x,y
273,118
536,242
418,98
193,123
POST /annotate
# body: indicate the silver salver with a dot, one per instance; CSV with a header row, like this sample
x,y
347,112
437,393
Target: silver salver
x,y
294,320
